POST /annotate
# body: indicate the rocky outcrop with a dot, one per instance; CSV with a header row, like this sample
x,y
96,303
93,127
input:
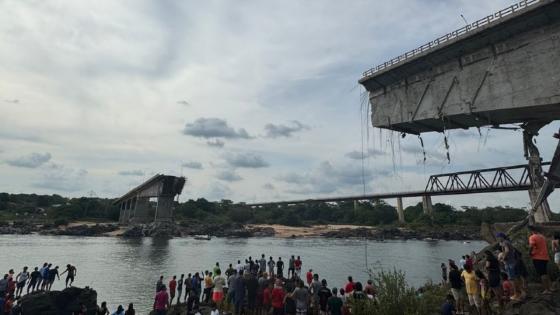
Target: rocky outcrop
x,y
435,233
83,230
63,302
189,228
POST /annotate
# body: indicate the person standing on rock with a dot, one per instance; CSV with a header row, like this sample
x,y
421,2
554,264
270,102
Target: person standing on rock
x,y
161,301
45,276
53,274
21,280
539,254
297,266
41,279
291,267
271,265
159,284
180,288
280,268
35,279
188,286
71,274
262,264
172,288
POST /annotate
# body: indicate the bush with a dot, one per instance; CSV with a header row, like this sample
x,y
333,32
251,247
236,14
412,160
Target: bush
x,y
396,297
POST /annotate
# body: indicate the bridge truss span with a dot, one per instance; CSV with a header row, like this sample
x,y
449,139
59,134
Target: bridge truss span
x,y
510,178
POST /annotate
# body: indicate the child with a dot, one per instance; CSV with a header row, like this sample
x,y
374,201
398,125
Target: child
x,y
507,287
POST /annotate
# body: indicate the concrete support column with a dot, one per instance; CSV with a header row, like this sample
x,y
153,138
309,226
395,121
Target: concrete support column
x,y
400,210
355,204
427,204
543,213
164,211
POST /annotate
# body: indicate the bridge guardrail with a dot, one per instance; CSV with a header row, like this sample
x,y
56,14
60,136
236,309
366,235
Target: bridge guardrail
x,y
520,6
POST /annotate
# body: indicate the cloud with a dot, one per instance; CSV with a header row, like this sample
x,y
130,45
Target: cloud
x,y
275,131
268,186
214,128
216,143
60,178
32,160
228,176
247,160
131,173
12,101
218,191
193,165
183,102
357,155
326,178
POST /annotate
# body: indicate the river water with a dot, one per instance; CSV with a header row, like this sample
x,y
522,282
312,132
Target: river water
x,y
126,270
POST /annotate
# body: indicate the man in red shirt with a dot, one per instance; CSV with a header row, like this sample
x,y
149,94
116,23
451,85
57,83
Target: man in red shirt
x,y
297,265
161,301
539,254
278,295
172,287
309,277
349,287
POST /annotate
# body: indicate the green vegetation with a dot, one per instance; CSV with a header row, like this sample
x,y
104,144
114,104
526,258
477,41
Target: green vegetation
x,y
57,208
396,297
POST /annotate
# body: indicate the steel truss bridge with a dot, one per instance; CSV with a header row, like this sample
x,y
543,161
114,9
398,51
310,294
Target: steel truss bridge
x,y
489,180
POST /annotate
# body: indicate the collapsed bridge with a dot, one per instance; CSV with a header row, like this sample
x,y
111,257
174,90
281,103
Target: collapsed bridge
x,y
502,69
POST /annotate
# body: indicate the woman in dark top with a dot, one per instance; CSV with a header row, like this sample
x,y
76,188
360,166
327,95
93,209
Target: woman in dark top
x,y
493,270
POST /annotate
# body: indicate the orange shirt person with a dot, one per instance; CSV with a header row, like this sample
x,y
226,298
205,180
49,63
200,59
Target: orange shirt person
x,y
539,254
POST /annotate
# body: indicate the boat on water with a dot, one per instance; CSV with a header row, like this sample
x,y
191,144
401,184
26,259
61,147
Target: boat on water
x,y
202,237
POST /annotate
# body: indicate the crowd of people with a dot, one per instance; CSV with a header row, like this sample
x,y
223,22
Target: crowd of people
x,y
259,286
13,287
496,276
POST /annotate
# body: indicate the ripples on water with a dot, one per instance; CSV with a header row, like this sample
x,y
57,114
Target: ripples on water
x,y
126,270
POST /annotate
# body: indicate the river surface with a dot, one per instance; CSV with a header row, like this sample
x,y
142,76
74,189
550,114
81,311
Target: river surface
x,y
126,270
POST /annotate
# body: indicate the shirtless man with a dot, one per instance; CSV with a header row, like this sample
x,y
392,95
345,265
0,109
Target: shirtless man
x,y
71,270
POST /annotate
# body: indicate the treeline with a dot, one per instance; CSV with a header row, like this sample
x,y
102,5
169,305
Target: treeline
x,y
364,213
55,207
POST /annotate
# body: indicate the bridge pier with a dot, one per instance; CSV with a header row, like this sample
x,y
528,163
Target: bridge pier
x,y
427,204
400,210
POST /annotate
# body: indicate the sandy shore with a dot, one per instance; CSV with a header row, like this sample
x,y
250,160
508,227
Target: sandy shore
x,y
307,231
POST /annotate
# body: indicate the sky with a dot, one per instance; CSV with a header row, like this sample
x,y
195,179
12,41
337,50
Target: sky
x,y
250,100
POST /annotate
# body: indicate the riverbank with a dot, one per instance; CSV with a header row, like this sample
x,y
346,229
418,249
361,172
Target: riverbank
x,y
187,228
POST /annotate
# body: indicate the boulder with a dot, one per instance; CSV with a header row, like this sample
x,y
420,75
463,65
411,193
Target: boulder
x,y
59,302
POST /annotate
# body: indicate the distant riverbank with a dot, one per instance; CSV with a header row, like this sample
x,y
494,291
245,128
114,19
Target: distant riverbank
x,y
186,229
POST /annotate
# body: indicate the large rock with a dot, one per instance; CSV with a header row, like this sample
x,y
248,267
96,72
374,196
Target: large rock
x,y
59,302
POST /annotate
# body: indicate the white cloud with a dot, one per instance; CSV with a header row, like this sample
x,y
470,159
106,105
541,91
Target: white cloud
x,y
32,160
280,130
247,160
214,128
193,165
228,176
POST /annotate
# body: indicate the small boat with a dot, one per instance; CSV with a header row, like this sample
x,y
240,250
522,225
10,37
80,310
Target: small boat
x,y
203,237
